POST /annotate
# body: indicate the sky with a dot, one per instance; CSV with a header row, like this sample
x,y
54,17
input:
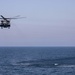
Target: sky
x,y
47,23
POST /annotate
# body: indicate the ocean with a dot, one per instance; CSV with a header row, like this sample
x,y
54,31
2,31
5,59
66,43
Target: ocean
x,y
37,60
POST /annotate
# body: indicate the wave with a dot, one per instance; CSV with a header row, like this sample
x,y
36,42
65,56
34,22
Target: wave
x,y
71,66
61,62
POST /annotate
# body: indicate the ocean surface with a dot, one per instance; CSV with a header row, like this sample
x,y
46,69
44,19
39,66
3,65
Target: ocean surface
x,y
37,60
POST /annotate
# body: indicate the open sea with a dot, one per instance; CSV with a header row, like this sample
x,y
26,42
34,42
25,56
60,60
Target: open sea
x,y
37,60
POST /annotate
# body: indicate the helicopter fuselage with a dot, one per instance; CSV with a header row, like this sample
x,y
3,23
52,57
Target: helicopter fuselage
x,y
4,24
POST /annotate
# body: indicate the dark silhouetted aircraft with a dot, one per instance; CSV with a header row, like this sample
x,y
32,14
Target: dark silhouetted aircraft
x,y
5,22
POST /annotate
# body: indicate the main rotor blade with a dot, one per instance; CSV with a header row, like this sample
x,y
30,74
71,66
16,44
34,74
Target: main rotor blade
x,y
4,18
16,18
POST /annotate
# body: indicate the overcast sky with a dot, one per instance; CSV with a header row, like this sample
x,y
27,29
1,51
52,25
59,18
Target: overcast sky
x,y
48,23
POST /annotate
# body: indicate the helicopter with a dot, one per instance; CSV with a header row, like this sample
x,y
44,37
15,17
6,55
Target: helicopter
x,y
5,22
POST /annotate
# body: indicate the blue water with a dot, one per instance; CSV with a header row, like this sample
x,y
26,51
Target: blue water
x,y
37,60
